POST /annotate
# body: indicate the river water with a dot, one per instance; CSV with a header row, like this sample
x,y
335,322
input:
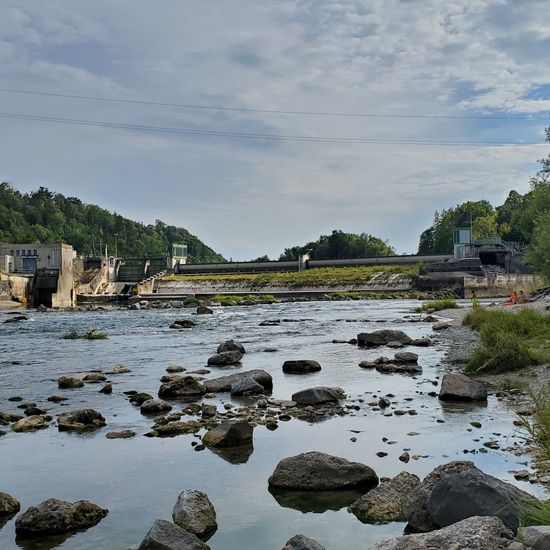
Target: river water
x,y
139,479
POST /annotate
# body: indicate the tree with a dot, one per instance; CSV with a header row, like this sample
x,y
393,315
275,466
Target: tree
x,y
538,253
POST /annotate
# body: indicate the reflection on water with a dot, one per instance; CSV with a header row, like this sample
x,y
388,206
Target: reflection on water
x,y
234,455
139,479
315,501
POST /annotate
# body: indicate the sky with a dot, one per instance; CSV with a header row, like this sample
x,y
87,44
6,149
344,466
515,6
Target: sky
x,y
483,64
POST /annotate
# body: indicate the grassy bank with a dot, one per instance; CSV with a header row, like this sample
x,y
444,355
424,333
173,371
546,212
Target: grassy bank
x,y
509,340
327,276
243,300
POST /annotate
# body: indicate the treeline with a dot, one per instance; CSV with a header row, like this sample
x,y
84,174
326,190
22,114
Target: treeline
x,y
44,216
340,245
522,218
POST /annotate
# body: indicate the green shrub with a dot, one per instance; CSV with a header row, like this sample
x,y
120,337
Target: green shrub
x,y
536,514
438,305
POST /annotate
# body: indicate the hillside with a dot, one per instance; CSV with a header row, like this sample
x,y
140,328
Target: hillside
x,y
44,216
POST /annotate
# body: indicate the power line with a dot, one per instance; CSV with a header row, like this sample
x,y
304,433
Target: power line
x,y
270,111
250,135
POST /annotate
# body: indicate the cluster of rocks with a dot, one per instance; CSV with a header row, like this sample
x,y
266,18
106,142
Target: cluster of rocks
x,y
404,362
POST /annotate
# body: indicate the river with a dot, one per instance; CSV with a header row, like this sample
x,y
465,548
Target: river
x,y
139,479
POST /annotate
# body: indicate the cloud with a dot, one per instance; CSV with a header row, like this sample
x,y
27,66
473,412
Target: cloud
x,y
250,197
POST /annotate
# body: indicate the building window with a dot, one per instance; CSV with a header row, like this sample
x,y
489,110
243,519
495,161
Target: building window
x,y
22,252
17,252
11,253
35,253
28,252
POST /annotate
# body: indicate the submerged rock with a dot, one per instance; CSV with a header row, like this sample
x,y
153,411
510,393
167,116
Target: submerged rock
x,y
171,429
301,542
385,502
69,382
223,383
57,516
95,377
475,533
203,310
405,357
139,398
155,406
194,512
458,387
225,358
230,433
316,471
164,535
125,434
80,420
301,366
318,395
119,369
403,368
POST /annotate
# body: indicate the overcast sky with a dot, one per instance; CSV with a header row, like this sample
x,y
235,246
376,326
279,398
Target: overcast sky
x,y
248,197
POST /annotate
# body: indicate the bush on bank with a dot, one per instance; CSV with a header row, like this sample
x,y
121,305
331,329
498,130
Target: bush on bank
x,y
509,340
437,305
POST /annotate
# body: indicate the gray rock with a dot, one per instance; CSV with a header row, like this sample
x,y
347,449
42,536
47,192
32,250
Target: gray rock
x,y
225,358
57,516
8,505
458,387
403,368
208,410
315,471
164,535
106,389
182,324
367,364
301,542
382,337
537,536
394,344
318,395
66,382
175,369
95,377
203,310
230,433
155,406
182,387
124,434
223,383
246,385
31,423
442,325
194,512
473,493
231,345
301,366
416,505
421,342
405,357
119,369
386,502
475,533
80,420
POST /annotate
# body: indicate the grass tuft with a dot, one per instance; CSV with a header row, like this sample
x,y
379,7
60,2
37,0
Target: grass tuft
x,y
438,305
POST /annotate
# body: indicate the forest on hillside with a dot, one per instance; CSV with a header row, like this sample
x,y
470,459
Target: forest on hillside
x,y
43,216
521,218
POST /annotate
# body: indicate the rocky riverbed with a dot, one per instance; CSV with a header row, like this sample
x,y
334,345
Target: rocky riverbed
x,y
390,419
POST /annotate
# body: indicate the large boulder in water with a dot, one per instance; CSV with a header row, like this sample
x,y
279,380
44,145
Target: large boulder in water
x,y
155,406
223,383
246,386
318,395
182,387
301,542
57,516
382,337
475,533
69,382
194,512
80,420
385,503
457,490
315,471
164,535
474,493
31,423
231,345
301,366
458,387
225,358
230,433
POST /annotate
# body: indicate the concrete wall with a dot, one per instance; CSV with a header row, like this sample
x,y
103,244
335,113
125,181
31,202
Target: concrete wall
x,y
15,287
44,256
501,285
65,295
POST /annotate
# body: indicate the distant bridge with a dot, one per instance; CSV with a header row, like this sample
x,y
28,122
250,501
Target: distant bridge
x,y
263,267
